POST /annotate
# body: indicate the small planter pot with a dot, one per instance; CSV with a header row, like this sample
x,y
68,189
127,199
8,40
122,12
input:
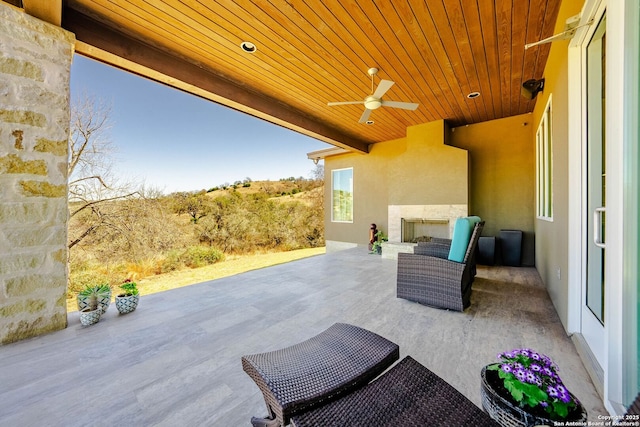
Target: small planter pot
x,y
84,302
104,301
127,304
88,317
509,414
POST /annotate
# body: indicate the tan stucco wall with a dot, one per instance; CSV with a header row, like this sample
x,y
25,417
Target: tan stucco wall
x,y
552,239
502,164
415,170
34,126
490,166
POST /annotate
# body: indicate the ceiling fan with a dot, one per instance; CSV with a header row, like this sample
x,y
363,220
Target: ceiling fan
x,y
375,101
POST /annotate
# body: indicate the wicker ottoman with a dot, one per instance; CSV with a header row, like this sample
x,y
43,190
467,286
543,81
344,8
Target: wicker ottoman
x,y
407,395
337,361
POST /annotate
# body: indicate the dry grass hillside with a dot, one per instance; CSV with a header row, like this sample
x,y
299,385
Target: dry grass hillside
x,y
142,237
294,188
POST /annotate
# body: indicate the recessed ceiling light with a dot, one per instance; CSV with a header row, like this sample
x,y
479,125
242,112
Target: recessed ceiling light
x,y
473,95
369,122
248,47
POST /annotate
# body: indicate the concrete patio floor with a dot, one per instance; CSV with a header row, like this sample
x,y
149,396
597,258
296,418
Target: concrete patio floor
x,y
175,361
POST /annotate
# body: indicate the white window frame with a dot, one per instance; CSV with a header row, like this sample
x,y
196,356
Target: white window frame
x,y
544,165
333,198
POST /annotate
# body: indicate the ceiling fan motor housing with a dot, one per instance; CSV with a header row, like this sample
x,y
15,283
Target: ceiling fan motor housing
x,y
372,103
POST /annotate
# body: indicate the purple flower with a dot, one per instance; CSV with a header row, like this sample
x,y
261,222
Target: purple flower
x,y
535,368
531,377
548,372
552,391
506,368
521,374
565,397
525,352
535,356
544,404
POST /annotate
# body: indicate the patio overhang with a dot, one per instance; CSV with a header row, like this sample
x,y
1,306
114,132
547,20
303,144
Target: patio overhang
x,y
437,53
102,43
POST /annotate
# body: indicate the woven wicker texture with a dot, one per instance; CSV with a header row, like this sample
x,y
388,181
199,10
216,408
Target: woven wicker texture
x,y
407,395
337,361
634,409
435,281
509,415
439,250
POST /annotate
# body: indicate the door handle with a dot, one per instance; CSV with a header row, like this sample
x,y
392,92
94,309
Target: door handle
x,y
598,238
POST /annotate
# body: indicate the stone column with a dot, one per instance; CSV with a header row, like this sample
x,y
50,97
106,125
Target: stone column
x,y
35,64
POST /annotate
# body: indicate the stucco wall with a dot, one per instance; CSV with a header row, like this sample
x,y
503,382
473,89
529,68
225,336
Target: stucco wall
x,y
415,170
490,166
34,126
552,241
502,176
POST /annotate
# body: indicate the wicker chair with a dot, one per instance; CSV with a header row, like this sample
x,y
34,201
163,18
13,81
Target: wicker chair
x,y
431,279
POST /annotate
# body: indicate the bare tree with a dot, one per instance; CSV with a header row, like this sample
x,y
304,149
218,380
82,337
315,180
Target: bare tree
x,y
91,157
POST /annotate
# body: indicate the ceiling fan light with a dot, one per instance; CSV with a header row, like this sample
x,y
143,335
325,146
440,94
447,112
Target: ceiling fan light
x,y
372,103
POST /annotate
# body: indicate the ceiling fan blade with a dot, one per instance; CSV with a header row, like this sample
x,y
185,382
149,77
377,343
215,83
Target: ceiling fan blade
x,y
403,105
344,103
382,88
365,115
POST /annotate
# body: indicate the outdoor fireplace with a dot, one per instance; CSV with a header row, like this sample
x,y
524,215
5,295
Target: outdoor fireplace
x,y
407,222
423,220
417,228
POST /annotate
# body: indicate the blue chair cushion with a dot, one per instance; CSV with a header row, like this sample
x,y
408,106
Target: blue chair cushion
x,y
462,231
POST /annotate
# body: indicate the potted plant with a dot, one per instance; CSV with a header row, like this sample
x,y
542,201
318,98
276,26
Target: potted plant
x,y
127,301
94,297
525,389
376,246
93,301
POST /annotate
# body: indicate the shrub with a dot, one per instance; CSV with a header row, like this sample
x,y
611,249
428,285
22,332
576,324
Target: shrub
x,y
84,274
171,262
199,256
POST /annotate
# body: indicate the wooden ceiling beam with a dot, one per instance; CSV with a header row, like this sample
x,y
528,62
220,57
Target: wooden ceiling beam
x,y
47,10
105,44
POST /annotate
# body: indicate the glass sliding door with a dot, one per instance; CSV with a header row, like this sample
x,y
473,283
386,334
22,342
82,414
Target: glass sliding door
x,y
593,314
631,248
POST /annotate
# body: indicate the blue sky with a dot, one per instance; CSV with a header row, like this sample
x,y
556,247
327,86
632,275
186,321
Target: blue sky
x,y
174,141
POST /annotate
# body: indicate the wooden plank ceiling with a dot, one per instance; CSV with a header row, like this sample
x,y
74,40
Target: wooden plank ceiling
x,y
311,52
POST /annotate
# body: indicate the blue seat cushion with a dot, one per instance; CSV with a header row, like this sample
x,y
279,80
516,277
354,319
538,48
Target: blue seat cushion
x,y
462,231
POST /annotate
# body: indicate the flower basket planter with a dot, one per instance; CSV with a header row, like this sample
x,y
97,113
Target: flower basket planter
x,y
127,303
496,403
89,317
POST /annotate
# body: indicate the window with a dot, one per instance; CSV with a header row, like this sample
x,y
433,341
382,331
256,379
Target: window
x,y
342,195
544,166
